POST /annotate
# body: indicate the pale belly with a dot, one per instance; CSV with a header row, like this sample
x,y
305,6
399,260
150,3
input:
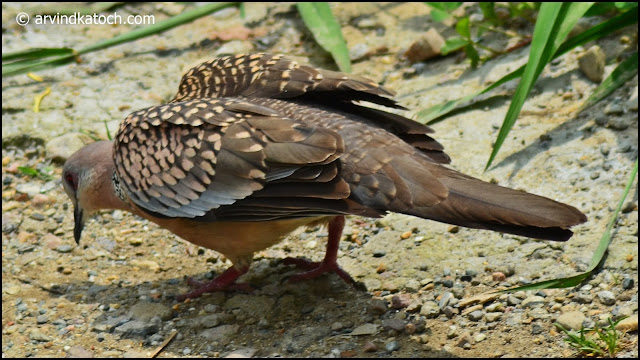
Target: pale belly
x,y
236,240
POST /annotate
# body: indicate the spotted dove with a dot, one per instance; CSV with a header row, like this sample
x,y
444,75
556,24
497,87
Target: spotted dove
x,y
254,146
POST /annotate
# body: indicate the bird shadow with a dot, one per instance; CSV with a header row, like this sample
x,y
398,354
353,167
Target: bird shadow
x,y
276,305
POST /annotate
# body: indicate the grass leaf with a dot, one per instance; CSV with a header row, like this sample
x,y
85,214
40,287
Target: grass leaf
x,y
452,44
472,54
436,112
441,10
35,53
462,27
31,60
489,12
598,255
319,19
555,20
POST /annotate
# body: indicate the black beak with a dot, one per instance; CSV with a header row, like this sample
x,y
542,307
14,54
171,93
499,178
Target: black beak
x,y
79,223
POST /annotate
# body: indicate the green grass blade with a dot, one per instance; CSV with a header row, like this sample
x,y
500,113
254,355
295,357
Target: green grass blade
x,y
598,255
319,19
555,20
452,44
434,113
441,10
32,63
623,73
35,53
463,28
551,284
601,30
431,115
606,237
158,28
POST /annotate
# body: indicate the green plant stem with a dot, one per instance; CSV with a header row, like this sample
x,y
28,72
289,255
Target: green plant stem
x,y
500,31
495,52
157,28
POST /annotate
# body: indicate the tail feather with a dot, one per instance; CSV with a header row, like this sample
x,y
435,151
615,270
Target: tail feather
x,y
477,204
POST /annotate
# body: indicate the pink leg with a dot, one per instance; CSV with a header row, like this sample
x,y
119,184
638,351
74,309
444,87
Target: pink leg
x,y
224,281
330,263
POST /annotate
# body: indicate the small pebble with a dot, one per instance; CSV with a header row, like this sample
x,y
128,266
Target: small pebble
x,y
606,297
498,276
452,331
400,301
493,316
476,315
479,337
392,346
369,346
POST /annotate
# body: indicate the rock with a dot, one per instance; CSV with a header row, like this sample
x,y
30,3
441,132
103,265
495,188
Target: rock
x,y
430,309
426,47
29,188
393,324
492,316
146,264
498,276
618,123
40,200
450,311
476,315
632,103
359,51
479,337
38,335
533,302
145,311
592,63
478,299
452,331
400,301
606,297
243,353
369,346
572,320
378,306
222,333
444,300
51,241
62,147
137,328
629,324
365,329
613,108
392,346
465,339
79,352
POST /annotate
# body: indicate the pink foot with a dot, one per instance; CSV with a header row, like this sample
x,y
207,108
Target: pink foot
x,y
224,281
330,263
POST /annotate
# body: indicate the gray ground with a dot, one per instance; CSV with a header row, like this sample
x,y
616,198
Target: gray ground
x,y
112,296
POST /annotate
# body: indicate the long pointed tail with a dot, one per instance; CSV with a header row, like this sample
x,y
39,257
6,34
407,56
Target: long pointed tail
x,y
477,204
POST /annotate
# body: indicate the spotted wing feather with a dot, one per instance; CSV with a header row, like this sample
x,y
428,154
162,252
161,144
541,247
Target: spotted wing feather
x,y
193,158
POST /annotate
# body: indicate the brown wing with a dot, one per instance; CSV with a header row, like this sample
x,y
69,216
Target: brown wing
x,y
200,158
278,77
274,76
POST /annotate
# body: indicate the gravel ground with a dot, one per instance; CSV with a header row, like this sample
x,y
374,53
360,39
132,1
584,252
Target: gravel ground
x,y
423,286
